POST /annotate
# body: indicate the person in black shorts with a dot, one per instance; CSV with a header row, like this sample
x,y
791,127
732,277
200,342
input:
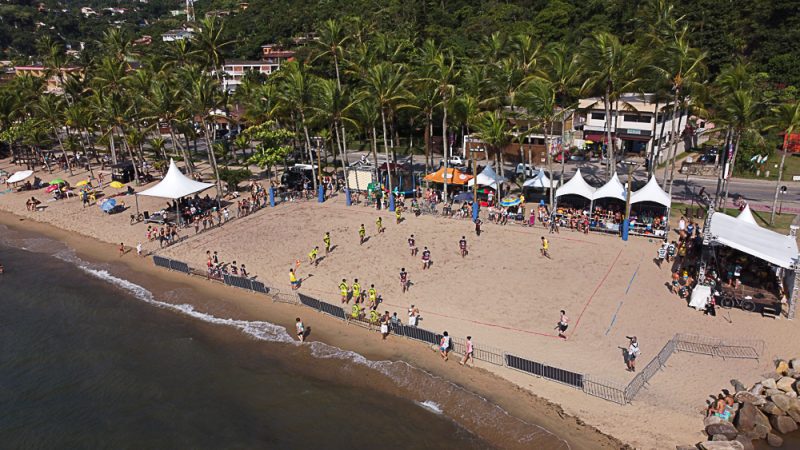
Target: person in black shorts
x,y
404,279
462,244
412,245
562,325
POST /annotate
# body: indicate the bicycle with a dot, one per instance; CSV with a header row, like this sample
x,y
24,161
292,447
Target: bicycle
x,y
733,302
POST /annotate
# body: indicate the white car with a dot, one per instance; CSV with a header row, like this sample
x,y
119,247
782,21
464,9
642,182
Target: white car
x,y
455,161
527,168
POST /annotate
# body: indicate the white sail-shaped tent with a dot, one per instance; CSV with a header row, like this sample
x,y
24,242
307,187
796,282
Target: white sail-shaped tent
x,y
612,189
747,216
488,177
175,185
651,192
540,181
576,186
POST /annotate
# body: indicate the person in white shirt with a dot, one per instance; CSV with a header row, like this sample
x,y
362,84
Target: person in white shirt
x,y
444,345
301,330
139,248
682,225
633,353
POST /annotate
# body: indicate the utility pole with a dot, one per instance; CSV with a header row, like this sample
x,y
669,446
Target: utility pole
x,y
190,11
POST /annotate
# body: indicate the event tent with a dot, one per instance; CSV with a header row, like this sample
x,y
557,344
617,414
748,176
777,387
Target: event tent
x,y
576,186
487,177
175,185
747,216
454,176
540,181
612,189
740,234
651,192
19,176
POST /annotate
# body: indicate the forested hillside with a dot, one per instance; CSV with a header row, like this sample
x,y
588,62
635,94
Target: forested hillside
x,y
766,32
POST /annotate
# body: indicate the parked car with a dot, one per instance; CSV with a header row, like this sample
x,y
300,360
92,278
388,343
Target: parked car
x,y
529,170
455,161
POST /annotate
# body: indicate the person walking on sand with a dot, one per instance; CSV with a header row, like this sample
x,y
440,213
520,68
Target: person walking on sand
x,y
327,240
293,280
562,325
398,213
121,249
478,226
633,353
139,249
468,353
312,257
379,224
404,279
301,329
426,258
343,289
462,244
357,294
362,234
412,245
444,345
545,250
372,295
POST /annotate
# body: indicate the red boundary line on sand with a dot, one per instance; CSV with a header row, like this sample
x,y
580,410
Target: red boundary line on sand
x,y
597,288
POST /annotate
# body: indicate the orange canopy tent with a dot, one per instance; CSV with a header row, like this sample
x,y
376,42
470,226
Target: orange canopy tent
x,y
454,176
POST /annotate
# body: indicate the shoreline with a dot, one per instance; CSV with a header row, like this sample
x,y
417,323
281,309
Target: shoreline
x,y
512,398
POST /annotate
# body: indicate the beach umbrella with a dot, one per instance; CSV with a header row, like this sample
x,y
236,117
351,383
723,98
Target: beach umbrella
x,y
82,183
511,200
108,205
116,185
19,176
58,181
463,197
51,188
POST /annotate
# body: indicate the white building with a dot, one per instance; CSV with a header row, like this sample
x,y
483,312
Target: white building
x,y
235,70
176,35
636,126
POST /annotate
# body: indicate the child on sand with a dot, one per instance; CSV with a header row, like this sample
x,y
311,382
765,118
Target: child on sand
x,y
343,289
301,330
312,257
121,249
545,247
462,244
362,233
444,345
293,280
379,225
468,353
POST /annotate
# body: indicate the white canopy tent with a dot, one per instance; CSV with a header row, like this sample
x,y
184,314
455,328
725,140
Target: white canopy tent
x,y
175,185
747,216
19,176
576,186
487,177
740,234
540,181
652,192
612,189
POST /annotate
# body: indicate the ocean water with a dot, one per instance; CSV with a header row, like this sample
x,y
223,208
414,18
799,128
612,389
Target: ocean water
x,y
90,359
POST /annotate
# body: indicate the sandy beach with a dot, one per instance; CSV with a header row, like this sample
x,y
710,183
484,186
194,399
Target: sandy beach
x,y
503,293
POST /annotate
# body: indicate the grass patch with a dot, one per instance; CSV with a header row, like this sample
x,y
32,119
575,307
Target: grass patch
x,y
791,168
781,224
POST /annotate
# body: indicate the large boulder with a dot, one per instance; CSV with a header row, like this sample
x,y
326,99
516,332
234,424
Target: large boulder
x,y
795,363
772,409
781,367
724,428
721,445
782,401
747,397
747,443
786,384
711,420
784,424
774,440
757,389
771,392
752,423
794,415
769,383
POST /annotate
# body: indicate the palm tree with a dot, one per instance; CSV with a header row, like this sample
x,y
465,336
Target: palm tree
x,y
386,82
539,99
298,92
493,131
333,107
163,104
742,112
611,68
444,75
201,99
786,118
683,66
563,71
49,109
210,44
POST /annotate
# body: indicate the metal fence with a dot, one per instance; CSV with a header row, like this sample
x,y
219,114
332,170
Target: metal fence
x,y
595,386
543,370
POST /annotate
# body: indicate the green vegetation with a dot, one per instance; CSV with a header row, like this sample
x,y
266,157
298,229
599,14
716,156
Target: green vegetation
x,y
419,71
780,224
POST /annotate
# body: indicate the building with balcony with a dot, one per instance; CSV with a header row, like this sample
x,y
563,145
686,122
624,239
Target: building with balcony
x,y
235,70
637,126
275,55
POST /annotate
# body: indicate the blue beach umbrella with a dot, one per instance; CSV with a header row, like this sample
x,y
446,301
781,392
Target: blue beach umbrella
x,y
108,205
